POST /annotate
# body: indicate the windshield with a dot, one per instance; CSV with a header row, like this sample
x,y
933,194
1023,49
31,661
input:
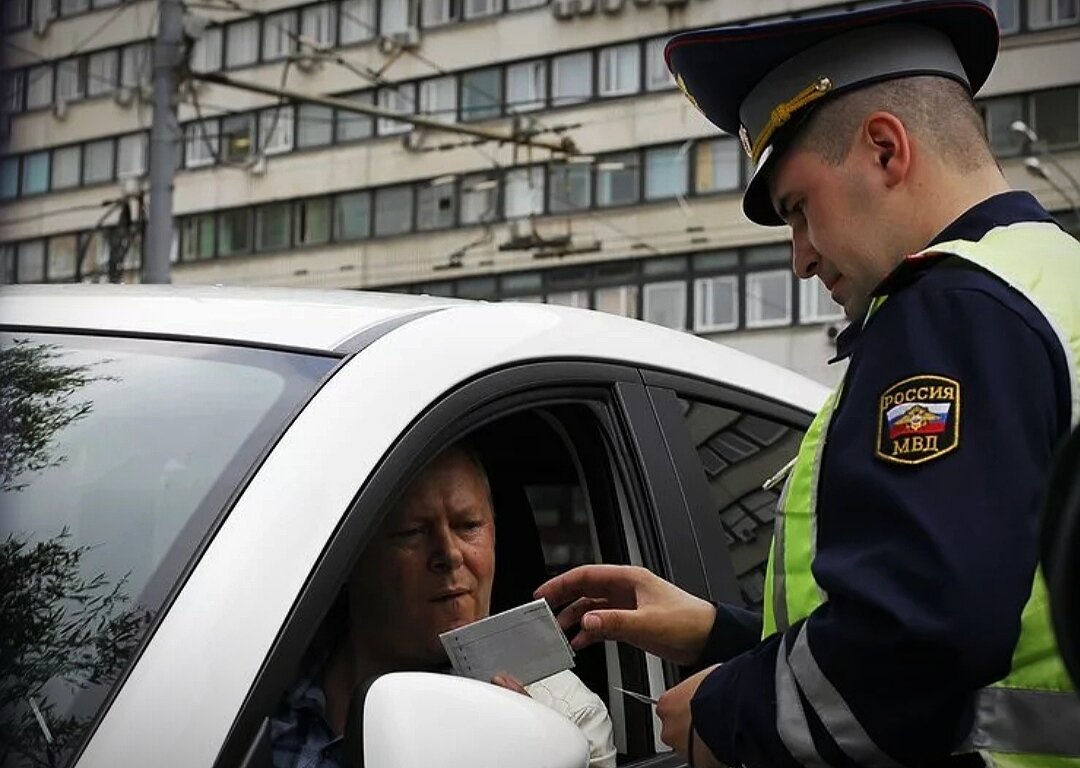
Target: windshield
x,y
117,457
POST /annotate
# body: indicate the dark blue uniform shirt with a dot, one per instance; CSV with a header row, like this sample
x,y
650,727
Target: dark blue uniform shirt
x,y
926,567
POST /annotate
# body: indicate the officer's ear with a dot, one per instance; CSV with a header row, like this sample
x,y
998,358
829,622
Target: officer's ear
x,y
888,146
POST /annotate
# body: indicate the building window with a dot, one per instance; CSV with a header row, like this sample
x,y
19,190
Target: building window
x,y
665,304
357,21
434,13
69,81
352,216
206,53
135,63
402,100
62,255
234,232
9,178
242,43
319,23
569,187
438,98
7,263
816,303
351,126
312,221
97,161
620,70
999,115
519,5
393,16
617,179
279,35
475,9
481,94
526,86
39,86
14,85
579,299
523,286
31,261
73,7
617,300
102,71
272,227
665,172
1055,116
477,288
66,162
1007,13
716,165
571,78
768,298
524,192
16,14
657,75
237,137
716,303
276,130
393,210
435,205
479,198
131,156
315,125
42,10
1052,13
197,237
200,143
35,173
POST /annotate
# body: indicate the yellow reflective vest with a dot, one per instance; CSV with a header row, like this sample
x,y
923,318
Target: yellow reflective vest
x,y
1032,716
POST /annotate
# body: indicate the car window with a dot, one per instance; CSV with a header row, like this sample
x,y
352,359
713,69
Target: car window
x,y
118,456
561,494
737,451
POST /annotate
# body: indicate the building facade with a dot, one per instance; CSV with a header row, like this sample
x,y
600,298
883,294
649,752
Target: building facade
x,y
642,217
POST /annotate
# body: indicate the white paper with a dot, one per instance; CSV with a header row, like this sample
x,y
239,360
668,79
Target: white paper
x,y
524,642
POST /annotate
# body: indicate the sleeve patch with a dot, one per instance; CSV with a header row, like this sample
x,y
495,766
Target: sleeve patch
x,y
918,420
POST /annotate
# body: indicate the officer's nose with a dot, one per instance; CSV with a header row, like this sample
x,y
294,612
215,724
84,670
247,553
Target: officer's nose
x,y
805,261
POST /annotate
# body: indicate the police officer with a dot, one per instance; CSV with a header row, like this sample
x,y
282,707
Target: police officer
x,y
906,622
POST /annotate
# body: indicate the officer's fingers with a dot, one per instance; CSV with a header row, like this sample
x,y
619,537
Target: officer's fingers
x,y
613,624
571,614
613,582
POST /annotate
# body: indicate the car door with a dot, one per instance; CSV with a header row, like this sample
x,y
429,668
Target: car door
x,y
578,445
730,449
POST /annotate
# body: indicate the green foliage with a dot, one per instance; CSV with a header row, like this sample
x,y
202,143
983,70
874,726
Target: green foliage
x,y
58,630
37,401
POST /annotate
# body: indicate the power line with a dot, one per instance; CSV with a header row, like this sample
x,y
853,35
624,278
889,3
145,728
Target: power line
x,y
80,46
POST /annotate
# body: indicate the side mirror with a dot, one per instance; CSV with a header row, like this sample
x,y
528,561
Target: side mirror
x,y
423,718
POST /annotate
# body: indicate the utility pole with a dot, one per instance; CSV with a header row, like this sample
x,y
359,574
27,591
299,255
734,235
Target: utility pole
x,y
164,140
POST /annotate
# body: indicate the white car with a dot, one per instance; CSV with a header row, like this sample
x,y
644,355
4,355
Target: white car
x,y
189,474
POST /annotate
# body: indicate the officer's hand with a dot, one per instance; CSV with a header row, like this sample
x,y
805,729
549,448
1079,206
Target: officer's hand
x,y
631,604
673,709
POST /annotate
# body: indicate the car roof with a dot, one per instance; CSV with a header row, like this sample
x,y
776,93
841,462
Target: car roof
x,y
326,320
309,319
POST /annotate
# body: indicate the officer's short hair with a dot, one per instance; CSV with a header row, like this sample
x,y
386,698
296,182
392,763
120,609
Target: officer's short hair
x,y
937,110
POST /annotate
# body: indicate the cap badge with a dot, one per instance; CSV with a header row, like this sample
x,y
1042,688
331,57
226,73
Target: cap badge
x,y
783,112
682,87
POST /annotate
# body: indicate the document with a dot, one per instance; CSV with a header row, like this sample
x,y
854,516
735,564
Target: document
x,y
524,642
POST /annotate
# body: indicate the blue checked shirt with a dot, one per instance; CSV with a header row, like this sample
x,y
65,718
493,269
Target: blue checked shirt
x,y
299,734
